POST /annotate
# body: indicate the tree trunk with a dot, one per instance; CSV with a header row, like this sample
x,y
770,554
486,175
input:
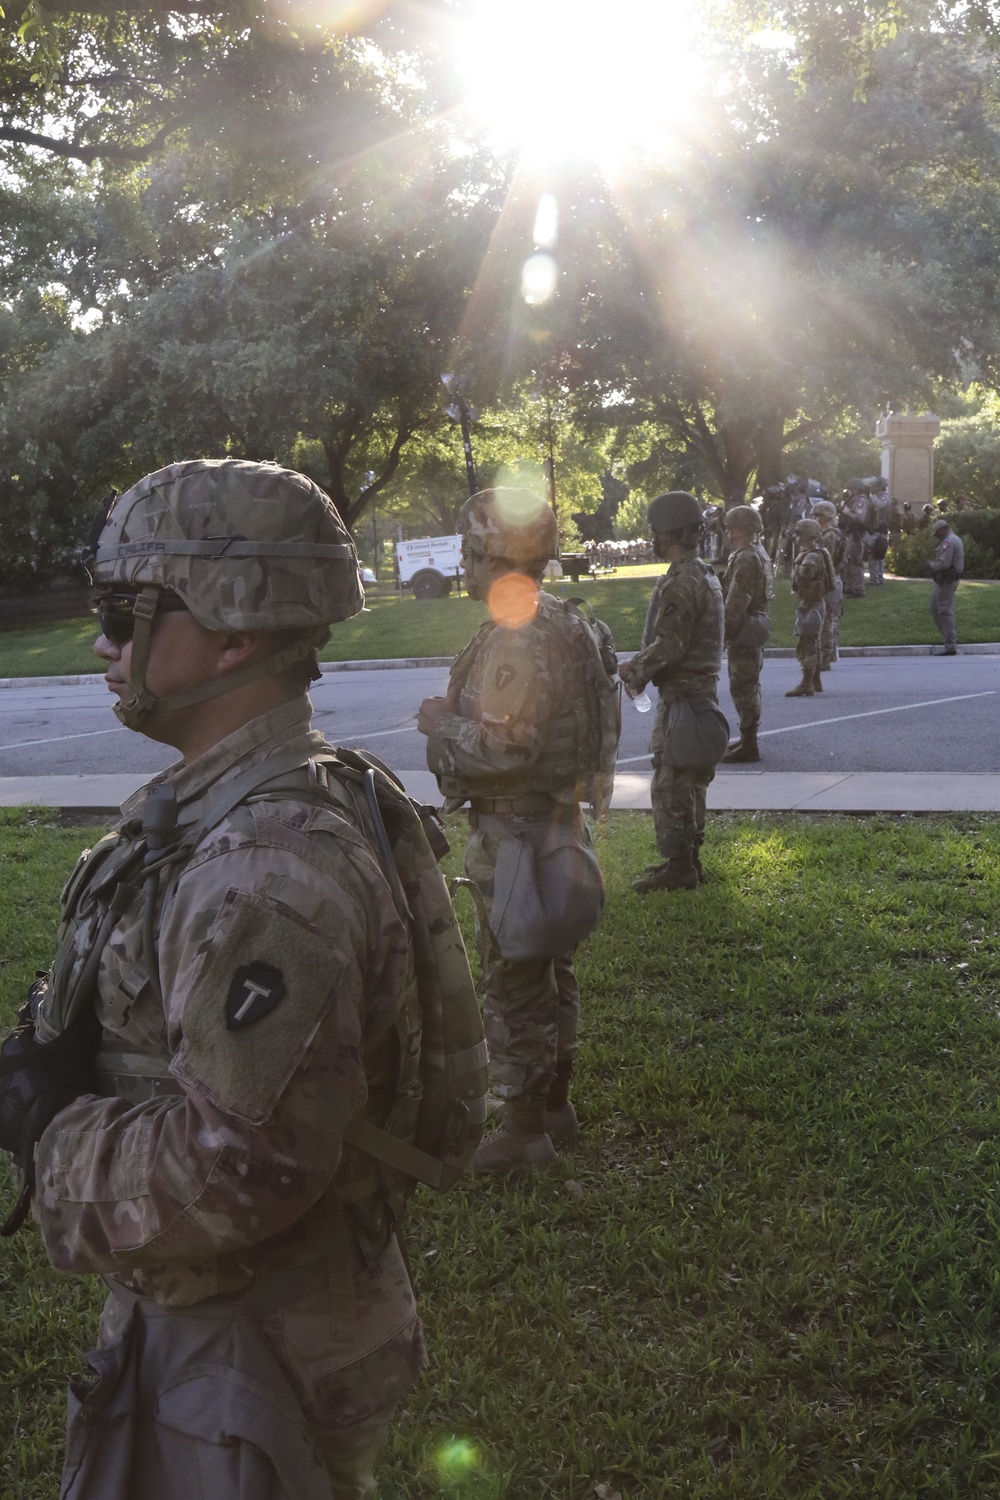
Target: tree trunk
x,y
769,450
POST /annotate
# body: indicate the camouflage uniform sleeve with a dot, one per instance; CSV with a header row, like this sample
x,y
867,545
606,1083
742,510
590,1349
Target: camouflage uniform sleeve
x,y
679,609
505,730
740,590
275,969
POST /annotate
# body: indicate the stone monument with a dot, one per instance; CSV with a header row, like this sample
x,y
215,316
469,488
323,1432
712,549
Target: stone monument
x,y
908,455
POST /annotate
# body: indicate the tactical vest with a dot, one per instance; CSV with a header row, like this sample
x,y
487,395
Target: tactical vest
x,y
703,659
812,590
580,737
426,1076
833,542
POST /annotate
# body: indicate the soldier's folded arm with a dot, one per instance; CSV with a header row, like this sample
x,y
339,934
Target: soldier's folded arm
x,y
507,732
266,1013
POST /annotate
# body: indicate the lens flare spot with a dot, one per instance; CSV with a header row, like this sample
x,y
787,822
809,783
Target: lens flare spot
x,y
457,1458
513,600
546,230
538,279
516,506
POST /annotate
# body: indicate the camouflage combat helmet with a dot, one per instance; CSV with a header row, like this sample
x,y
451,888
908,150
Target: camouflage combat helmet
x,y
746,518
825,508
675,511
807,530
246,546
509,525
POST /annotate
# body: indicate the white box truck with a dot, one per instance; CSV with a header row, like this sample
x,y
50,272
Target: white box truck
x,y
429,565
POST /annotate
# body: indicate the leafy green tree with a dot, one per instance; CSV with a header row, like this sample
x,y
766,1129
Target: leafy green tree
x,y
815,251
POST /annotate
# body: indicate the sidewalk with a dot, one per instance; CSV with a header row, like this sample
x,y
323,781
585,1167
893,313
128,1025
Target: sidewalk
x,y
731,791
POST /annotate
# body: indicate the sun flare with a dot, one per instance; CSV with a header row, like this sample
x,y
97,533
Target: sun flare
x,y
571,78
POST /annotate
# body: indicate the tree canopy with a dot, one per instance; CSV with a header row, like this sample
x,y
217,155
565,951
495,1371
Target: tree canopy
x,y
236,231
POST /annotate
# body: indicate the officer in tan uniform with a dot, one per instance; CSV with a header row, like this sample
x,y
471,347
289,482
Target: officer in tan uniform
x,y
246,965
517,736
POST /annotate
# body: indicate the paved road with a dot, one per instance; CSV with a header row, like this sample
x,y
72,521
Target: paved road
x,y
876,714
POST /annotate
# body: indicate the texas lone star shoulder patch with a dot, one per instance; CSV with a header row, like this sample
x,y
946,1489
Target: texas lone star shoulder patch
x,y
254,991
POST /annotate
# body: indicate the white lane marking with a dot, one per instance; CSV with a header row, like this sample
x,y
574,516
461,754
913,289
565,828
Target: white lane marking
x,y
378,734
872,713
58,738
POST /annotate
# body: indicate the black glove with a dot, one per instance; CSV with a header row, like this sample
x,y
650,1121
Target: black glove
x,y
37,1080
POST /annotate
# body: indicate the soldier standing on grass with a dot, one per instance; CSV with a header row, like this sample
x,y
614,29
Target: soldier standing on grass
x,y
529,720
749,588
946,568
833,542
235,953
681,655
813,579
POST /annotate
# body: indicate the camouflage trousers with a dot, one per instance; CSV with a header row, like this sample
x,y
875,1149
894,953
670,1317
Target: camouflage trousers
x,y
829,638
677,794
854,567
532,1005
744,685
807,650
327,1348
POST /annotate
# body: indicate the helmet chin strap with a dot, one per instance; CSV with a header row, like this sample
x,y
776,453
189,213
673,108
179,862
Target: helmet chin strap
x,y
134,711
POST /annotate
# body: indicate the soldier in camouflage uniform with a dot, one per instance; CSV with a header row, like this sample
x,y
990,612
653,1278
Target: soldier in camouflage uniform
x,y
257,1285
856,524
813,579
509,738
833,542
681,655
748,588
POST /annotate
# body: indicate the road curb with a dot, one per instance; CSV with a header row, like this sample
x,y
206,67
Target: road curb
x,y
395,664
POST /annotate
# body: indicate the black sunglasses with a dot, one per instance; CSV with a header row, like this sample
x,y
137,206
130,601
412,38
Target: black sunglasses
x,y
116,614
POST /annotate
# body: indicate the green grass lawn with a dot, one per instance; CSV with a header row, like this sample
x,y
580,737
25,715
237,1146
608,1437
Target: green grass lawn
x,y
395,626
771,1265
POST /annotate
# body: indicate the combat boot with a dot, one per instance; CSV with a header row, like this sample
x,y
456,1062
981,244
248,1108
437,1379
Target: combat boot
x,y
521,1143
817,681
675,875
561,1123
805,688
743,749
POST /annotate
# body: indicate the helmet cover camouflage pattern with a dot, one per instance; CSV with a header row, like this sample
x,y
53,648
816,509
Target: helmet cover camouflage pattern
x,y
807,530
746,518
675,511
510,525
247,546
825,508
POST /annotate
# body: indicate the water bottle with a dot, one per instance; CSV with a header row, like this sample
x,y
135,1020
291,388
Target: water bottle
x,y
643,702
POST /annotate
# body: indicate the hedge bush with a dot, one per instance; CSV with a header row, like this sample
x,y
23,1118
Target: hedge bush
x,y
908,556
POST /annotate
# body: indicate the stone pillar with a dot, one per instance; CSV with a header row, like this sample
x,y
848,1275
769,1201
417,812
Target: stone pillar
x,y
908,456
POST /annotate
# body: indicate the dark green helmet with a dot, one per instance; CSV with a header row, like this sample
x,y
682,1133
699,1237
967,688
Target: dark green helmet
x,y
675,511
745,518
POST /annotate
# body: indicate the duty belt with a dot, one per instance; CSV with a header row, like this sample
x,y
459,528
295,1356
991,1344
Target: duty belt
x,y
514,807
